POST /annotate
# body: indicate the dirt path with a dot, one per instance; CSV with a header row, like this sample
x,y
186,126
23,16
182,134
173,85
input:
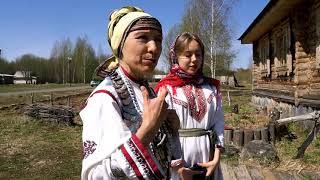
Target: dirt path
x,y
45,90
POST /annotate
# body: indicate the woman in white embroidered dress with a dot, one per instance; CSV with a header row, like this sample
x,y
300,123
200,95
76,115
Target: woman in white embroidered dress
x,y
197,101
122,118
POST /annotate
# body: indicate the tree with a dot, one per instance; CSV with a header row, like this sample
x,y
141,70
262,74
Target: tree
x,y
85,61
59,54
209,19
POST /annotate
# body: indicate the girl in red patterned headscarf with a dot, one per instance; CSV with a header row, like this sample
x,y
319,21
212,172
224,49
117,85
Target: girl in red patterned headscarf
x,y
197,102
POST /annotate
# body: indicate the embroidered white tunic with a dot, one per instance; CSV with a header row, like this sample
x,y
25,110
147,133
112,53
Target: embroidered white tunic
x,y
111,149
197,107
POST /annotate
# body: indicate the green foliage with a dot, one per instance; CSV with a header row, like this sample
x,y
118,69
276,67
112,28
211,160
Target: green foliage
x,y
213,29
66,63
243,75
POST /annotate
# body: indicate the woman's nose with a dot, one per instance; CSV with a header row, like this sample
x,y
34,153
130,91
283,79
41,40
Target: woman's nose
x,y
152,46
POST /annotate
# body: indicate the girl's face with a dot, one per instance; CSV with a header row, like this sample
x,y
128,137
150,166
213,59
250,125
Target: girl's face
x,y
141,51
190,59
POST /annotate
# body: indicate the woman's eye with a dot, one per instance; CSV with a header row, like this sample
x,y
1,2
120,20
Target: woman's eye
x,y
144,38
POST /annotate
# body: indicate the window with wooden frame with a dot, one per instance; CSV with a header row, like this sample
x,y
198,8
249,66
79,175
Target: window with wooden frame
x,y
264,56
283,58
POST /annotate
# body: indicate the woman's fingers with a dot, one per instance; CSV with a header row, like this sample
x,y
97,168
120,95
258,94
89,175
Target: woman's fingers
x,y
162,94
145,95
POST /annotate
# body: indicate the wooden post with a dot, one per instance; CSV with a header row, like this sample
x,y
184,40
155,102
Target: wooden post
x,y
308,141
68,102
264,134
272,133
229,100
247,137
238,137
51,99
257,134
32,95
228,136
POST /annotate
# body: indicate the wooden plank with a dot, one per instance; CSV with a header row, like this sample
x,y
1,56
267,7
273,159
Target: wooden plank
x,y
255,174
283,175
268,175
242,173
227,171
304,117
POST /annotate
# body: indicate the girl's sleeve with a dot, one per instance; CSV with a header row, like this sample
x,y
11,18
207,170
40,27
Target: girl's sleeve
x,y
219,120
110,151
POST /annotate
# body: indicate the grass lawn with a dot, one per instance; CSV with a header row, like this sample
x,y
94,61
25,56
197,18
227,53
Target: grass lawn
x,y
33,149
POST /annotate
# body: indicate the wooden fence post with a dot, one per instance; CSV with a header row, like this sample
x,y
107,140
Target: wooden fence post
x,y
264,134
247,136
228,136
229,99
272,133
51,99
68,103
32,96
238,137
257,134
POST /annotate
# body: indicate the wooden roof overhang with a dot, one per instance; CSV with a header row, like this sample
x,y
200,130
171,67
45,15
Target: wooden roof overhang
x,y
272,14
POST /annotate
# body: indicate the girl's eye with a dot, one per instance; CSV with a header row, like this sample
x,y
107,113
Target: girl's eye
x,y
188,55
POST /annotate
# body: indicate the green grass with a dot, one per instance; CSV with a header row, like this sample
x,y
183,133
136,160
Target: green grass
x,y
33,149
289,148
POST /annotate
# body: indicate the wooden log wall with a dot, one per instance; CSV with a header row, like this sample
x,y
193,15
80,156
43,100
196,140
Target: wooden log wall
x,y
305,84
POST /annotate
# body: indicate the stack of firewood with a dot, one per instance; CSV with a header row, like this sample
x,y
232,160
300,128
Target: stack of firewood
x,y
52,113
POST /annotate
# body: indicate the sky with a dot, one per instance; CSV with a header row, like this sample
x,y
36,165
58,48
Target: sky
x,y
33,26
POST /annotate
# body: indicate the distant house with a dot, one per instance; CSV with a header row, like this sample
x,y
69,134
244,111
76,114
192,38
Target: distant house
x,y
6,79
157,77
24,77
286,56
227,80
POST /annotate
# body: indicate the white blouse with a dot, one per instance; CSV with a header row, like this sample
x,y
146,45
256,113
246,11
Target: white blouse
x,y
197,107
110,148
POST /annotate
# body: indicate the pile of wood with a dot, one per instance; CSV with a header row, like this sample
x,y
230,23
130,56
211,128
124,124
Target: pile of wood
x,y
51,113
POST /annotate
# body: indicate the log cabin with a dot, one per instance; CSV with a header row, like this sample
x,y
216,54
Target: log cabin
x,y
285,40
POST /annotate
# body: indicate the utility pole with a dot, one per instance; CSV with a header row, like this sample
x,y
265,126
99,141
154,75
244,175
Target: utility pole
x,y
69,74
62,70
84,54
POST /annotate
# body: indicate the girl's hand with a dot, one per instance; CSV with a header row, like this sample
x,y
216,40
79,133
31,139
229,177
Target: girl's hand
x,y
211,166
187,174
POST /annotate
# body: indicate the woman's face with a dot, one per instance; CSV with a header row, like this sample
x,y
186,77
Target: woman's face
x,y
141,51
190,59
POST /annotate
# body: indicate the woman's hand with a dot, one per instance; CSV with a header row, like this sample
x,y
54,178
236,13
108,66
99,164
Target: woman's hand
x,y
154,113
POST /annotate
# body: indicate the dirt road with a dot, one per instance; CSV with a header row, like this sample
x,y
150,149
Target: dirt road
x,y
45,90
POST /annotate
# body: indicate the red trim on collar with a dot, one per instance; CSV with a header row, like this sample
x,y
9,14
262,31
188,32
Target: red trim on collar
x,y
129,75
